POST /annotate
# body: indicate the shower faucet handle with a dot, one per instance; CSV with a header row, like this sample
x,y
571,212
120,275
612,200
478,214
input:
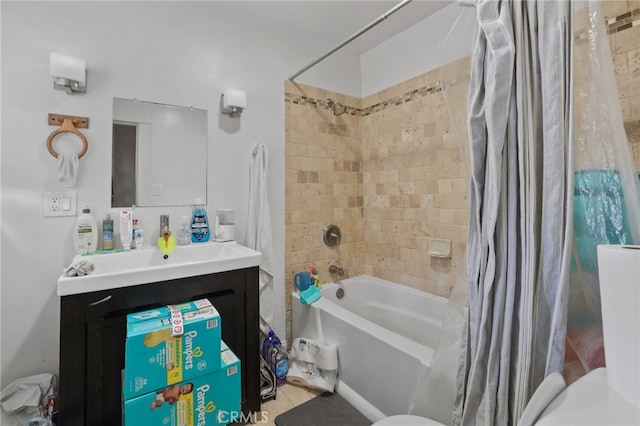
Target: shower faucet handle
x,y
331,235
333,269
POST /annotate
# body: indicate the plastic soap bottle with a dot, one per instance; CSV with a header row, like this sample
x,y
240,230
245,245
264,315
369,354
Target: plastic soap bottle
x,y
107,233
85,232
134,228
184,233
276,357
199,223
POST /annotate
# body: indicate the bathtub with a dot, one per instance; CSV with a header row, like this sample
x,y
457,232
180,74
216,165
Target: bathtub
x,y
386,336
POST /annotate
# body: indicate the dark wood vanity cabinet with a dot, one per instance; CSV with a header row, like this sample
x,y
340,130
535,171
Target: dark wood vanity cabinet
x,y
93,333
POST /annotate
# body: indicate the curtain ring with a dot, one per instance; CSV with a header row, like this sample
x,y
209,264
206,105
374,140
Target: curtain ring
x,y
67,127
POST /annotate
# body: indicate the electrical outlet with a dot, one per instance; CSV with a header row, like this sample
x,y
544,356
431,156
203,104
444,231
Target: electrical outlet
x,y
60,204
55,204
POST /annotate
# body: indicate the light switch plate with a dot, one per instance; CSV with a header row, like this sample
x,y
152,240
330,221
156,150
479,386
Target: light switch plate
x,y
57,204
157,189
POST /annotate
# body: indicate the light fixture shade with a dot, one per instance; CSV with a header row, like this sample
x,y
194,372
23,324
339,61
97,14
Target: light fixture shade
x,y
68,68
234,98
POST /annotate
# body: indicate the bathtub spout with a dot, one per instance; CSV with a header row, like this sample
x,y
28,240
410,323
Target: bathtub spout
x,y
333,269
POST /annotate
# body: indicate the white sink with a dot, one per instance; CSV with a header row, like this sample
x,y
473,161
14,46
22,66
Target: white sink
x,y
148,265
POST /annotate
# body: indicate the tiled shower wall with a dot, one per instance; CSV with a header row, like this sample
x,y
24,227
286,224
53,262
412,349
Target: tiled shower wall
x,y
415,189
389,171
323,178
623,20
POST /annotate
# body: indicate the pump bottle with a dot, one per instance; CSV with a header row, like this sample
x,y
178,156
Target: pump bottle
x,y
85,232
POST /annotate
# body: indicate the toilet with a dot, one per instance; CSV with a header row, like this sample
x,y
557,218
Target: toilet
x,y
406,420
609,395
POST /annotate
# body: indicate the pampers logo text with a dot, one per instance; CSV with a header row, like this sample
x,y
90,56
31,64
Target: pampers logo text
x,y
202,406
189,352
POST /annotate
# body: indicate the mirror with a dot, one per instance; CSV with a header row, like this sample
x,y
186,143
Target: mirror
x,y
159,154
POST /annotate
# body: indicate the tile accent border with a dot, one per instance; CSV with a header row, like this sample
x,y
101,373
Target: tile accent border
x,y
315,103
361,112
399,100
623,22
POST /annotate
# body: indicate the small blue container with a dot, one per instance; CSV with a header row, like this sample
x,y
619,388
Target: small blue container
x,y
302,280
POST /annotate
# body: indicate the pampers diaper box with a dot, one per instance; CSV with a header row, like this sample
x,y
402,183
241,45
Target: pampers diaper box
x,y
155,358
209,400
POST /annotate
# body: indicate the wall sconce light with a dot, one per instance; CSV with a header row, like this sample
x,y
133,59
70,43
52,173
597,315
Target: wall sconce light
x,y
68,73
233,102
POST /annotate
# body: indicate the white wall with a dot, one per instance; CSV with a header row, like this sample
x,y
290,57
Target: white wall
x,y
181,53
418,49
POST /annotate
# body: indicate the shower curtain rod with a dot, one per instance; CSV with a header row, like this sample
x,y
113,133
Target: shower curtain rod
x,y
353,37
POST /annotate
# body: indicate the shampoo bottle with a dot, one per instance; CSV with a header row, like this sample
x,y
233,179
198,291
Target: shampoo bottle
x,y
107,233
126,229
199,223
85,232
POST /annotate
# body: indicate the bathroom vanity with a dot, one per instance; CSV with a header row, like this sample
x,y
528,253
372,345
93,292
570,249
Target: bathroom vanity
x,y
93,323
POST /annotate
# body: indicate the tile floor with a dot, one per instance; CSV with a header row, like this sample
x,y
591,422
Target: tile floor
x,y
288,396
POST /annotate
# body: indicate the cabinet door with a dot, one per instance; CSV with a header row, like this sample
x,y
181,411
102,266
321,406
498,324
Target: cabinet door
x,y
105,351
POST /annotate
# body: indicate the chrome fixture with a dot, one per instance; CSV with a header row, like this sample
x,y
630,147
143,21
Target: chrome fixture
x,y
338,108
331,235
234,101
164,224
333,269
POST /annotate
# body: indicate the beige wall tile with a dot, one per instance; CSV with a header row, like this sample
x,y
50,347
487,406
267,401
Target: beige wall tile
x,y
613,8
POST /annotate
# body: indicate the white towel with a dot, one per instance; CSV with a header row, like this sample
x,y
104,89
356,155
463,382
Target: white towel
x,y
82,268
68,166
313,364
258,231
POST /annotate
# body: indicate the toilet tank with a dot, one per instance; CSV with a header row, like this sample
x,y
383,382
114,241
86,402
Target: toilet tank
x,y
619,274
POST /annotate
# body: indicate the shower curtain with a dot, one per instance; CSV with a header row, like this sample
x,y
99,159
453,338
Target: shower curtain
x,y
520,228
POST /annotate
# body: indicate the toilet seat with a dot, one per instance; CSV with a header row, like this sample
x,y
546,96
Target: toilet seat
x,y
407,420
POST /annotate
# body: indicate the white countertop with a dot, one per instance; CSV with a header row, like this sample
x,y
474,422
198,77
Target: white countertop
x,y
148,265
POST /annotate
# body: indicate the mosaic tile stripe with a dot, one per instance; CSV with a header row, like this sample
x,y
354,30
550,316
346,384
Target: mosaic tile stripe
x,y
623,22
361,112
399,100
315,103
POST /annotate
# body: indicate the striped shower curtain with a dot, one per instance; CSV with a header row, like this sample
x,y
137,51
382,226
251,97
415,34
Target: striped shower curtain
x,y
519,243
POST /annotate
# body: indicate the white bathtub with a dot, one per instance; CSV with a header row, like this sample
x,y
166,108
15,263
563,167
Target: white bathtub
x,y
386,336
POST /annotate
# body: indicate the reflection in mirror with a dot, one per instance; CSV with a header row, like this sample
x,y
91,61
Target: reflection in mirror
x,y
159,154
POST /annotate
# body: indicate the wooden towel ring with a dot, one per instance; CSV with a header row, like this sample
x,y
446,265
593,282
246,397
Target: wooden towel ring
x,y
67,127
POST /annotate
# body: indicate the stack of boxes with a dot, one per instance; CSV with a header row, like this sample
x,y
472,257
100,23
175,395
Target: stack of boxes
x,y
178,371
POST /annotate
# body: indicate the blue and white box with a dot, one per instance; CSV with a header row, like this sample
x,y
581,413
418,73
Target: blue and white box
x,y
209,400
155,358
